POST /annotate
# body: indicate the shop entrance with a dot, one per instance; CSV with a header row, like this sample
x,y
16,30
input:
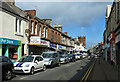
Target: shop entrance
x,y
118,53
13,52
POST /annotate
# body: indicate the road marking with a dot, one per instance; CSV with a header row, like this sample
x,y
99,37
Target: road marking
x,y
88,71
36,74
24,77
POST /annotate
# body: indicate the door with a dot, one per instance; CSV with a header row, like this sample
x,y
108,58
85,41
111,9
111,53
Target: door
x,y
40,62
36,63
56,58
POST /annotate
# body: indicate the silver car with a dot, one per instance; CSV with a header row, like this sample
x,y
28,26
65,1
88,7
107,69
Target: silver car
x,y
51,58
64,59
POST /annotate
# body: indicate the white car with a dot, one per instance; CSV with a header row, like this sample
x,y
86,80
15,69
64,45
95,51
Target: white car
x,y
29,64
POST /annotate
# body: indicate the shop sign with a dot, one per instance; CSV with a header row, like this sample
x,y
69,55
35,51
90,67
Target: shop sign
x,y
35,40
63,47
52,45
117,39
59,47
45,43
9,41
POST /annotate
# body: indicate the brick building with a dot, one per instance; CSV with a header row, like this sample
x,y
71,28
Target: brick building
x,y
82,40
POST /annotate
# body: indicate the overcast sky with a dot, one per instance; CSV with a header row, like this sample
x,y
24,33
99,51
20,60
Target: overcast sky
x,y
77,18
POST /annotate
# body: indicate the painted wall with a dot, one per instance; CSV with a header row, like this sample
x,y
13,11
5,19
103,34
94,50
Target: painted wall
x,y
8,23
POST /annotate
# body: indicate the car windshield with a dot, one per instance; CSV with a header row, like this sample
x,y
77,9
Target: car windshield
x,y
69,55
26,59
48,55
62,56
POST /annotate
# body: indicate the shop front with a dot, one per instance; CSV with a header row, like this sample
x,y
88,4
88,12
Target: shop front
x,y
10,48
112,48
38,46
53,47
117,42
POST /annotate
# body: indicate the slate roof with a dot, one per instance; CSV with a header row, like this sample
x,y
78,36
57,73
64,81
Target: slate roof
x,y
12,9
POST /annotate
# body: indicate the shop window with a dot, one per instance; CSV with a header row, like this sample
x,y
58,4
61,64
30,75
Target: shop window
x,y
13,53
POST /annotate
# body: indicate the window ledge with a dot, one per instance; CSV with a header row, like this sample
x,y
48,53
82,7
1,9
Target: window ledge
x,y
18,34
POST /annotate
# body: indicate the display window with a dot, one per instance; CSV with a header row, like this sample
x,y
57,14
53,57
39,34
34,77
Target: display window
x,y
13,52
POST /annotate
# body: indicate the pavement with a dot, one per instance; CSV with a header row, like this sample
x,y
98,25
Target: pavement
x,y
103,71
67,72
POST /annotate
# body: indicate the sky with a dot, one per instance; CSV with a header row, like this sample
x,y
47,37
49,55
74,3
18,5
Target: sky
x,y
77,18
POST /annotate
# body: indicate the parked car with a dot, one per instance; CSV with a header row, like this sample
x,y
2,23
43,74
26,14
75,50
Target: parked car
x,y
84,55
64,59
72,57
78,56
92,55
7,68
51,58
29,64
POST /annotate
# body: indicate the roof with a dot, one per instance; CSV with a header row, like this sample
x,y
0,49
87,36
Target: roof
x,y
12,9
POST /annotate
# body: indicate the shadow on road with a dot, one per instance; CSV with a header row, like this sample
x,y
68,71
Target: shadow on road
x,y
80,73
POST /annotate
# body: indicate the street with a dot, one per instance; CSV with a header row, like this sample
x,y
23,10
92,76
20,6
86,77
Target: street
x,y
70,71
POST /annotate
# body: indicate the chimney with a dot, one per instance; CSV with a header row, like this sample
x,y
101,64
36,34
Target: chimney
x,y
47,21
65,33
32,12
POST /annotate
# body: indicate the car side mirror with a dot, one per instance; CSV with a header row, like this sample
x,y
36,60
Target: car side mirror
x,y
36,61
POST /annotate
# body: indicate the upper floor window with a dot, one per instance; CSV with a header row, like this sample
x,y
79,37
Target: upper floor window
x,y
18,27
43,31
35,28
31,28
40,30
46,33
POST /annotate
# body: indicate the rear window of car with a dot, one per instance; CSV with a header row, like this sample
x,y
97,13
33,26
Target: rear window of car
x,y
4,59
49,55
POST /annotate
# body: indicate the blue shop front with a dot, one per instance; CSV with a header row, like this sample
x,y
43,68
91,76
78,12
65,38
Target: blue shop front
x,y
10,48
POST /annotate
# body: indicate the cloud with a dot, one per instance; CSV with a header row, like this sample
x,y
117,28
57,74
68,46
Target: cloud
x,y
82,13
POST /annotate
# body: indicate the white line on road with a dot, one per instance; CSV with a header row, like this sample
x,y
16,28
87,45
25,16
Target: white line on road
x,y
24,77
36,74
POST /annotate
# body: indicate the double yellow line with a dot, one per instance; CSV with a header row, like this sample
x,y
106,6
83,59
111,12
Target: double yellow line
x,y
85,77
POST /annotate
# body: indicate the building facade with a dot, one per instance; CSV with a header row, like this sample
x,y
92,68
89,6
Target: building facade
x,y
82,40
112,32
13,41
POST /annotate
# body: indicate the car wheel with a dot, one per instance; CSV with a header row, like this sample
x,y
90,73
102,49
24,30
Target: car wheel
x,y
8,75
44,67
59,64
32,71
51,65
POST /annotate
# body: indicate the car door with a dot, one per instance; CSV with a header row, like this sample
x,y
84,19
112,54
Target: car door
x,y
41,62
7,64
36,64
56,58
